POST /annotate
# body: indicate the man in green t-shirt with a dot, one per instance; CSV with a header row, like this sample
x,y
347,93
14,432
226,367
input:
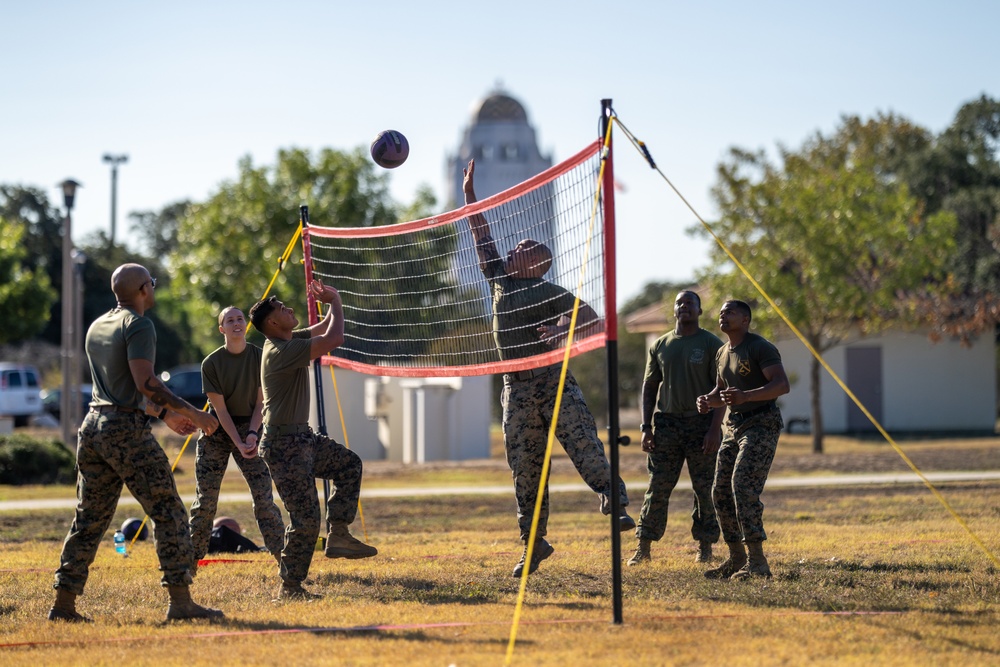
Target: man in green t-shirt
x,y
295,454
680,367
116,448
530,317
230,377
750,378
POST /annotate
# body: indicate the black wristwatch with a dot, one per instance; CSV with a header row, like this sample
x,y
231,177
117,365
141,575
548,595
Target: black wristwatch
x,y
163,413
253,433
645,427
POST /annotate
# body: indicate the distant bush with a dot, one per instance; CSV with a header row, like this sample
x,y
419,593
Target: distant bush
x,y
27,460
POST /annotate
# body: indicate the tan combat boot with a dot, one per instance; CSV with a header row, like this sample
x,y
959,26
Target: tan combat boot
x,y
540,552
293,591
730,566
641,554
64,608
341,544
182,607
756,565
704,552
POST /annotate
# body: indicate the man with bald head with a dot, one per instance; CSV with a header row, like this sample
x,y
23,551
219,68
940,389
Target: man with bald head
x,y
531,317
116,448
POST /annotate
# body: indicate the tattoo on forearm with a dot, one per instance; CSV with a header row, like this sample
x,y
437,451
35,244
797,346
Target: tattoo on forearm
x,y
163,396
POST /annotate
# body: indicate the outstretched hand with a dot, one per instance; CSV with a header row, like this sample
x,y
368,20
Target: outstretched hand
x,y
467,174
323,293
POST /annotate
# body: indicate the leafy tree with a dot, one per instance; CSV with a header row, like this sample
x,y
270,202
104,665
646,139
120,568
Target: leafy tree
x,y
959,172
42,239
229,246
157,230
832,233
26,295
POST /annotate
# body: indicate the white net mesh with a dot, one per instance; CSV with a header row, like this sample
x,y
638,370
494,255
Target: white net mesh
x,y
417,302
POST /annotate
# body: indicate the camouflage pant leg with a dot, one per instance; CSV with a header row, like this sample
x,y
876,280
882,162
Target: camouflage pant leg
x,y
98,489
211,461
701,469
525,434
678,440
125,443
577,433
291,460
344,469
258,479
741,472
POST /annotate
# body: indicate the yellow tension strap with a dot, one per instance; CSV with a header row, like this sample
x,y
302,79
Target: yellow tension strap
x,y
281,265
640,146
543,481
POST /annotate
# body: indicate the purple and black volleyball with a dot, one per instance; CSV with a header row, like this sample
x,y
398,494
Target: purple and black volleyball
x,y
390,149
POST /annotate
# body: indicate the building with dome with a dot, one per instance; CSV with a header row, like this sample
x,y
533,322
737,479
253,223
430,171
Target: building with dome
x,y
504,145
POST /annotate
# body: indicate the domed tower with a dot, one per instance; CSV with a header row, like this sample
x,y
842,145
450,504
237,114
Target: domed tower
x,y
504,145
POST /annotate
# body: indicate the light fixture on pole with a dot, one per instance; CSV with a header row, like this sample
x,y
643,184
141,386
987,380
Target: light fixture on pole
x,y
114,161
69,187
75,399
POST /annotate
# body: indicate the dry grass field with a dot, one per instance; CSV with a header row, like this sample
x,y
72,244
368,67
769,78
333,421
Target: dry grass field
x,y
863,575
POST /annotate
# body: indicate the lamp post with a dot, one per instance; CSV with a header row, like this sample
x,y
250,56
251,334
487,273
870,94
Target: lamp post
x,y
114,161
75,399
69,187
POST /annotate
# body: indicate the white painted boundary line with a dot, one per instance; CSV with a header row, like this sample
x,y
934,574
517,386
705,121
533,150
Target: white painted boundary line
x,y
417,492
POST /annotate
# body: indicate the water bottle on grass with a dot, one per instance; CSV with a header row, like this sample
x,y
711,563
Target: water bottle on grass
x,y
120,544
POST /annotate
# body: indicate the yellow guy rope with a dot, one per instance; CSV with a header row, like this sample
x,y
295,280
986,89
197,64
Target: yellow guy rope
x,y
281,265
555,412
937,494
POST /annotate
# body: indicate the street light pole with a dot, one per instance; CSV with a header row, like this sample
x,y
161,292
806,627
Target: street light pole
x,y
75,399
69,187
114,161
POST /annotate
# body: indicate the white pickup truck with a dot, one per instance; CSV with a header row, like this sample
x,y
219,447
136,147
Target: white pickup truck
x,y
20,393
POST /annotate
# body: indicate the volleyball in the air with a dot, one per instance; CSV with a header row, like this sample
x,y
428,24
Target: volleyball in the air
x,y
390,149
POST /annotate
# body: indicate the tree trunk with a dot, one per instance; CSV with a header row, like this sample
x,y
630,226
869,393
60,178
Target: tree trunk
x,y
816,416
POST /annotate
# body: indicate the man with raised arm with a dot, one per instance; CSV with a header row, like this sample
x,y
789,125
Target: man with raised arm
x,y
295,454
680,367
230,377
116,447
530,316
750,378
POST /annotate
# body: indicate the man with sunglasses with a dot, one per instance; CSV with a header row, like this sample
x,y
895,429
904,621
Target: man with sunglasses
x,y
116,448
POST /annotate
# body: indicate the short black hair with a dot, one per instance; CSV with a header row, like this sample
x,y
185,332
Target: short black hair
x,y
697,297
741,306
260,311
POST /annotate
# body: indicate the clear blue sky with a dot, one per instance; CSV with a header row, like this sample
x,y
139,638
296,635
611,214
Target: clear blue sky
x,y
188,88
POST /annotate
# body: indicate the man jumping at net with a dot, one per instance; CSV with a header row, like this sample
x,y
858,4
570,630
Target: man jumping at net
x,y
530,317
295,454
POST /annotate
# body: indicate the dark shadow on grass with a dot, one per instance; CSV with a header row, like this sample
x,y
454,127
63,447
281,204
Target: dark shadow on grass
x,y
412,589
880,567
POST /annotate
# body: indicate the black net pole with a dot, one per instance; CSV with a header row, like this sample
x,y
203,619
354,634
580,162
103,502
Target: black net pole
x,y
611,346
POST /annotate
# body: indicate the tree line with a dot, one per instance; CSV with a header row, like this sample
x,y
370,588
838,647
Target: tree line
x,y
880,222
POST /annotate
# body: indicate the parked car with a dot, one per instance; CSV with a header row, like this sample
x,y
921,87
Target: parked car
x,y
185,382
52,400
20,393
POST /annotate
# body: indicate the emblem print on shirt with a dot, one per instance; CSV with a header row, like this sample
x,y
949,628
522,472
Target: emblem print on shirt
x,y
697,356
744,367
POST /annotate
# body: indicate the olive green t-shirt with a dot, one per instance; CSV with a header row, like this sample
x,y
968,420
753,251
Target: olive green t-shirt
x,y
284,375
743,367
113,339
235,376
520,306
684,368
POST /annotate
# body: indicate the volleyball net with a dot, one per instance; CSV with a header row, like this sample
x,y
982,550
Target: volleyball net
x,y
417,303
